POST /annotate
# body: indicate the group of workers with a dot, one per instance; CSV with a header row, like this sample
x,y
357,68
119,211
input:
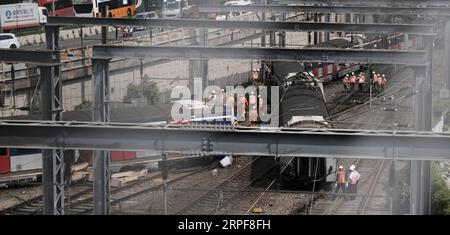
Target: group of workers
x,y
378,81
347,184
251,104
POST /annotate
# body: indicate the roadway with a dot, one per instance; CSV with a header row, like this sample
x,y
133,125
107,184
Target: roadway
x,y
90,40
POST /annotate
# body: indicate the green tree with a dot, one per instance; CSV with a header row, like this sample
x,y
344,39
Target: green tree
x,y
149,90
440,193
85,105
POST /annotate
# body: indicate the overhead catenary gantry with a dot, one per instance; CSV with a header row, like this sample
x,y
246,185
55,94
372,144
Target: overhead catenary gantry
x,y
384,10
325,55
418,29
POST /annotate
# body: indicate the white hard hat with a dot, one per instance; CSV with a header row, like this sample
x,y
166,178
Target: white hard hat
x,y
346,75
213,92
353,73
257,70
253,92
384,75
373,72
341,167
254,70
223,90
352,167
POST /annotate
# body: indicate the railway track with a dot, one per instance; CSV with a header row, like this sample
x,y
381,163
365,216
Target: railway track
x,y
34,205
79,199
212,201
328,205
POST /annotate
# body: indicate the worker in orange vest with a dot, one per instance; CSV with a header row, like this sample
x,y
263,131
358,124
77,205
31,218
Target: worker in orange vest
x,y
352,82
253,115
346,83
243,103
361,81
340,182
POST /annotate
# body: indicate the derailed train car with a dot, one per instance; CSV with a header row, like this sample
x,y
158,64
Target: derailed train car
x,y
302,105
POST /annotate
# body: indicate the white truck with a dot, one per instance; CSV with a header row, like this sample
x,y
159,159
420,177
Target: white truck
x,y
22,15
176,9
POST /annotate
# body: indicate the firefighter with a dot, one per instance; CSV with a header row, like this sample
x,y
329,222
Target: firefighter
x,y
361,81
346,83
353,179
340,182
352,82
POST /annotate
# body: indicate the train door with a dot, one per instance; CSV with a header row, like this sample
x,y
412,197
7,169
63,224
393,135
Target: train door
x,y
4,160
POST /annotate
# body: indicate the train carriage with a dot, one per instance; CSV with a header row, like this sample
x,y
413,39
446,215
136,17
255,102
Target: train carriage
x,y
303,105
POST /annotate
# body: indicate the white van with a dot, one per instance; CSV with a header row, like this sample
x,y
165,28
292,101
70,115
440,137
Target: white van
x,y
224,16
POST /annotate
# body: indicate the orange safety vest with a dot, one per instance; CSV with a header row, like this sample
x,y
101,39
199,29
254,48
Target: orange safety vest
x,y
362,79
353,79
341,177
243,104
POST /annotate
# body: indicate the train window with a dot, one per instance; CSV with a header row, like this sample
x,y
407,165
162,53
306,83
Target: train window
x,y
3,152
15,152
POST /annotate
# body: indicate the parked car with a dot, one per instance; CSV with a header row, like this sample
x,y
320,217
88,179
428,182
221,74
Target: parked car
x,y
145,15
8,40
224,16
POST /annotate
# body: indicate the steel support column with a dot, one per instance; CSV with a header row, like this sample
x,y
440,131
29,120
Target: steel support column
x,y
204,62
447,51
420,196
52,160
100,92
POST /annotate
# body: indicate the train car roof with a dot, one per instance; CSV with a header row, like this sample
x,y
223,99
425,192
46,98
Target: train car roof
x,y
335,43
284,69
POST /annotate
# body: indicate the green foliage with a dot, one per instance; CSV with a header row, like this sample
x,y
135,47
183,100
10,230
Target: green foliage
x,y
149,90
85,105
440,193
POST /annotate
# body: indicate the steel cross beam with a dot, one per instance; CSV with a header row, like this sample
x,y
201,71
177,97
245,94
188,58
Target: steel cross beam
x,y
443,11
38,57
418,29
371,3
307,54
400,145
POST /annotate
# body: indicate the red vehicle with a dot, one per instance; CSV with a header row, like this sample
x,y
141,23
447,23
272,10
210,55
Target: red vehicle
x,y
62,7
13,160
